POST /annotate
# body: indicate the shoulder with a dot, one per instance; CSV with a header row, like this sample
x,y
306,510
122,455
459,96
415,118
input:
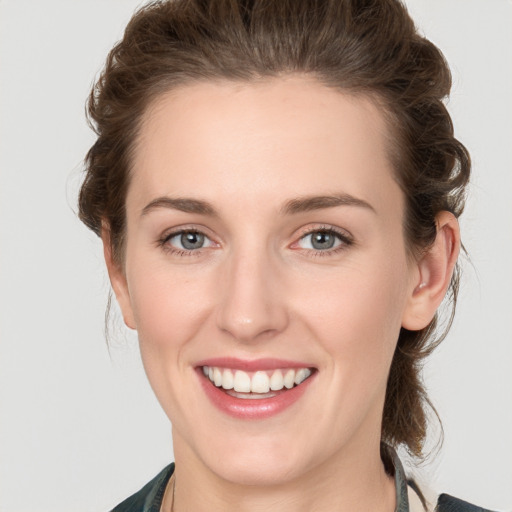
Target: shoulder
x,y
422,500
447,503
410,498
149,498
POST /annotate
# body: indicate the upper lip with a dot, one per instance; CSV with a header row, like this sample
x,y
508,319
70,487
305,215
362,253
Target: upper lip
x,y
252,365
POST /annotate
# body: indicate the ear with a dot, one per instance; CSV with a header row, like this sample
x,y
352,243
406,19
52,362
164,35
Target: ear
x,y
433,274
117,279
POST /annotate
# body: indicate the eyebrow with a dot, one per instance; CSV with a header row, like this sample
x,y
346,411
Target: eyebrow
x,y
183,204
291,207
311,203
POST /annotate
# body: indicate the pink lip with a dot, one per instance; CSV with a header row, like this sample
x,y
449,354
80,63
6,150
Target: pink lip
x,y
252,409
252,365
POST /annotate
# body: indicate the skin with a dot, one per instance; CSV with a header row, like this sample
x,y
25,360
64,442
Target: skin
x,y
258,288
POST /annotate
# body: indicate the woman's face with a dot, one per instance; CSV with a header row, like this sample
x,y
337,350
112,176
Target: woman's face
x,y
264,242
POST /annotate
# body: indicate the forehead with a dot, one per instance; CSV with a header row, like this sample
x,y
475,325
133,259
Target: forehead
x,y
262,140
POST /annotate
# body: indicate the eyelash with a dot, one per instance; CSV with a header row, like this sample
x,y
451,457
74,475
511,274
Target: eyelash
x,y
345,239
163,242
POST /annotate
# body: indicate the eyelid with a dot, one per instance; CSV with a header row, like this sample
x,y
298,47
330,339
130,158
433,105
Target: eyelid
x,y
167,235
192,228
342,233
344,236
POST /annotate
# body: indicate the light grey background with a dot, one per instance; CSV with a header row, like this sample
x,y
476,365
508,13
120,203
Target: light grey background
x,y
80,431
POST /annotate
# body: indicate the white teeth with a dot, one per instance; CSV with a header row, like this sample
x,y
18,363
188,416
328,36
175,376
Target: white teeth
x,y
276,381
228,381
261,381
289,379
302,375
242,382
217,377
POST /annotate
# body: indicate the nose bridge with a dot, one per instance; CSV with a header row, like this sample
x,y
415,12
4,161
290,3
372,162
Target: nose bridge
x,y
250,303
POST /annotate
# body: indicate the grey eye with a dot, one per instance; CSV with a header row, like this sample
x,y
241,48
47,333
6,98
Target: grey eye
x,y
191,240
188,240
320,240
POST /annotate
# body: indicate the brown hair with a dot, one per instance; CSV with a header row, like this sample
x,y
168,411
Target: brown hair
x,y
367,47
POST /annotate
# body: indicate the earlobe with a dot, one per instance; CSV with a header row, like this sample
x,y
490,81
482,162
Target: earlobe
x,y
434,273
117,279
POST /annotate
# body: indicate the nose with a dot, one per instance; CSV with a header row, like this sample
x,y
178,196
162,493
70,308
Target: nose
x,y
251,301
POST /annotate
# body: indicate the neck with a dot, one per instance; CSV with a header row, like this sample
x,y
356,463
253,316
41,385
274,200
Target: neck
x,y
352,480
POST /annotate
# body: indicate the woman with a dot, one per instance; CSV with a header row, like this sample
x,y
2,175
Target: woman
x,y
277,188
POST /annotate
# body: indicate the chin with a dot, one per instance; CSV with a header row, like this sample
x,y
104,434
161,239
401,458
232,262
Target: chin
x,y
256,461
255,470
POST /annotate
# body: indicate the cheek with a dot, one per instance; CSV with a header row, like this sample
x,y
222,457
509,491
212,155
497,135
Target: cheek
x,y
357,319
169,306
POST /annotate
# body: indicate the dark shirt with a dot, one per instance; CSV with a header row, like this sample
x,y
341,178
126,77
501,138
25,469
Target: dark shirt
x,y
149,498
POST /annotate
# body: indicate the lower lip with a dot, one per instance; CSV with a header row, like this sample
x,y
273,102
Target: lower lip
x,y
253,409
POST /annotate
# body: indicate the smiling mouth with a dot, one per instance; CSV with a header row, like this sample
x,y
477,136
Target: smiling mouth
x,y
256,385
